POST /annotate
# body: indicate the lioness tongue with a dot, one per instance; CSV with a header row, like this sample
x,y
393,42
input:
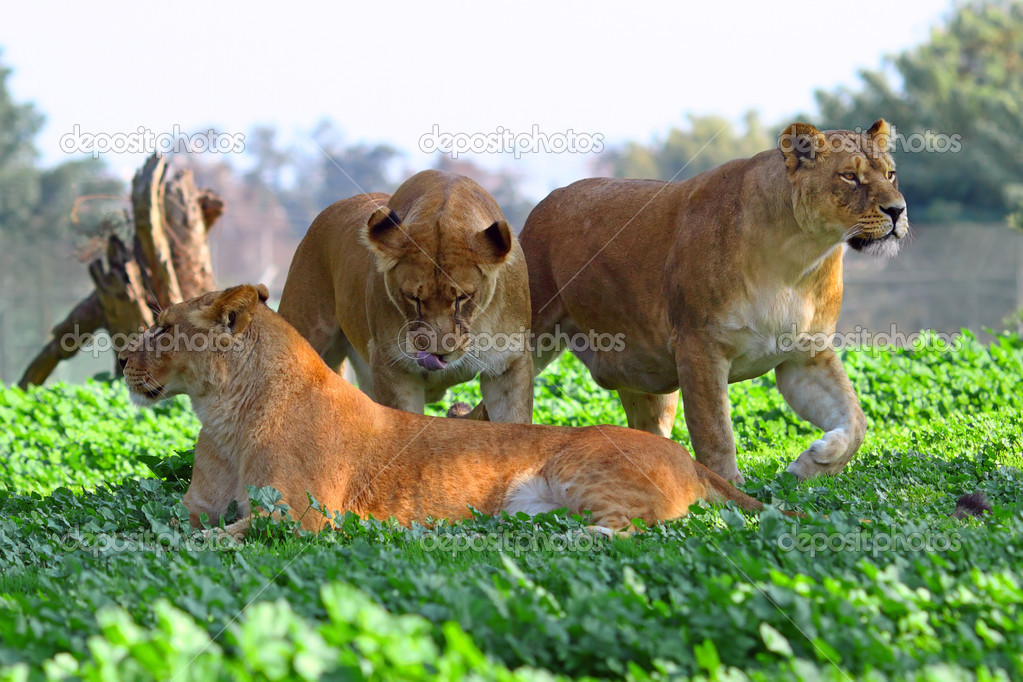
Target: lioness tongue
x,y
429,360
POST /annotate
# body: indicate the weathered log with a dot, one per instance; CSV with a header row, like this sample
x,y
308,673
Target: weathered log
x,y
120,290
147,194
212,207
167,261
186,229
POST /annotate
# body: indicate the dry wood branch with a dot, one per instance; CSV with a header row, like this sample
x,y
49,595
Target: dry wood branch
x,y
212,207
166,261
147,196
186,230
121,291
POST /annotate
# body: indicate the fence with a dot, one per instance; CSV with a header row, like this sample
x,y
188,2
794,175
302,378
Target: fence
x,y
946,278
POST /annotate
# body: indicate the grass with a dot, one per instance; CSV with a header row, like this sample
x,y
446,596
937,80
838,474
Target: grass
x,y
99,581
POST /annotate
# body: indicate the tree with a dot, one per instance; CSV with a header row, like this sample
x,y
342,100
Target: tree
x,y
19,124
966,81
41,228
166,261
347,170
708,141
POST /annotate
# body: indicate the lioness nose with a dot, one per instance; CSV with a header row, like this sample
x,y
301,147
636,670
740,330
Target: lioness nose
x,y
894,212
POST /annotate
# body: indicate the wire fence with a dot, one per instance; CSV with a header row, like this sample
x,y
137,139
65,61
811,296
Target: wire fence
x,y
947,277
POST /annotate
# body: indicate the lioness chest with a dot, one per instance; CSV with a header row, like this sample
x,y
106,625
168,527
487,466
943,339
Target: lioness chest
x,y
756,332
763,329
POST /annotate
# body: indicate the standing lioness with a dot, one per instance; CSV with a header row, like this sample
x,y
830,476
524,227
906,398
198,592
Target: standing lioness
x,y
718,279
428,287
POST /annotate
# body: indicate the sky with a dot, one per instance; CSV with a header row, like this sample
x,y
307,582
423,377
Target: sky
x,y
394,72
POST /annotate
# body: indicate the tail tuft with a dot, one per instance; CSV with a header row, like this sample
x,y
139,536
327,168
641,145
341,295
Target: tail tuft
x,y
972,504
459,410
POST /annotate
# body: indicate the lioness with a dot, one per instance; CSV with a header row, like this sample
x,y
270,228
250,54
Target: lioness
x,y
421,291
718,279
274,414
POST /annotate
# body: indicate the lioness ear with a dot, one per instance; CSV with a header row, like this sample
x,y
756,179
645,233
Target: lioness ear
x,y
264,293
234,308
881,134
801,143
495,243
385,236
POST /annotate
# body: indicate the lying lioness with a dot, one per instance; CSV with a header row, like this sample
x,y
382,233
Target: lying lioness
x,y
420,291
274,414
721,278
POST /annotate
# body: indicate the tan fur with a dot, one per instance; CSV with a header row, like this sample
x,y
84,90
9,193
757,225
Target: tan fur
x,y
707,278
434,269
273,414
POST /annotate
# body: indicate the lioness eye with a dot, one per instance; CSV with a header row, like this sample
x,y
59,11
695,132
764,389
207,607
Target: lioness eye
x,y
891,175
850,176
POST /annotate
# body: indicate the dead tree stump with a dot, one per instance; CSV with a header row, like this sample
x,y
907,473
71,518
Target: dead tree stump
x,y
168,262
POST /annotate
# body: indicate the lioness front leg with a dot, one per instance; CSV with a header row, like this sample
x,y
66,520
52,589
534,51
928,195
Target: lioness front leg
x,y
818,390
395,389
508,397
703,383
215,484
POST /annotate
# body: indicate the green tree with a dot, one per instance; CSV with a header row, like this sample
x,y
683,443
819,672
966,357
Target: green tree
x,y
967,81
707,142
38,231
35,202
19,124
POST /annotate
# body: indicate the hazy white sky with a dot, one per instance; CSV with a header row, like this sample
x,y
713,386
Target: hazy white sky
x,y
390,71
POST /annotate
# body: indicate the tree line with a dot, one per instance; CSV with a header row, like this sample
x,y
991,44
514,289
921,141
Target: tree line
x,y
965,81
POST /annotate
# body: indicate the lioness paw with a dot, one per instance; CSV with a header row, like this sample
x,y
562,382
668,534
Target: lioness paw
x,y
827,455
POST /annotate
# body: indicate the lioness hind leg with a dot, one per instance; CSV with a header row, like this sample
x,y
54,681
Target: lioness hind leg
x,y
616,474
819,391
540,492
650,412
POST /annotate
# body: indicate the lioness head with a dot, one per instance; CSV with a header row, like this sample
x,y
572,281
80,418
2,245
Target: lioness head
x,y
187,350
440,277
844,186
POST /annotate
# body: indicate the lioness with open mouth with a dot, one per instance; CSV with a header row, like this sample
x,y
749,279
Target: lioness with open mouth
x,y
420,291
274,414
